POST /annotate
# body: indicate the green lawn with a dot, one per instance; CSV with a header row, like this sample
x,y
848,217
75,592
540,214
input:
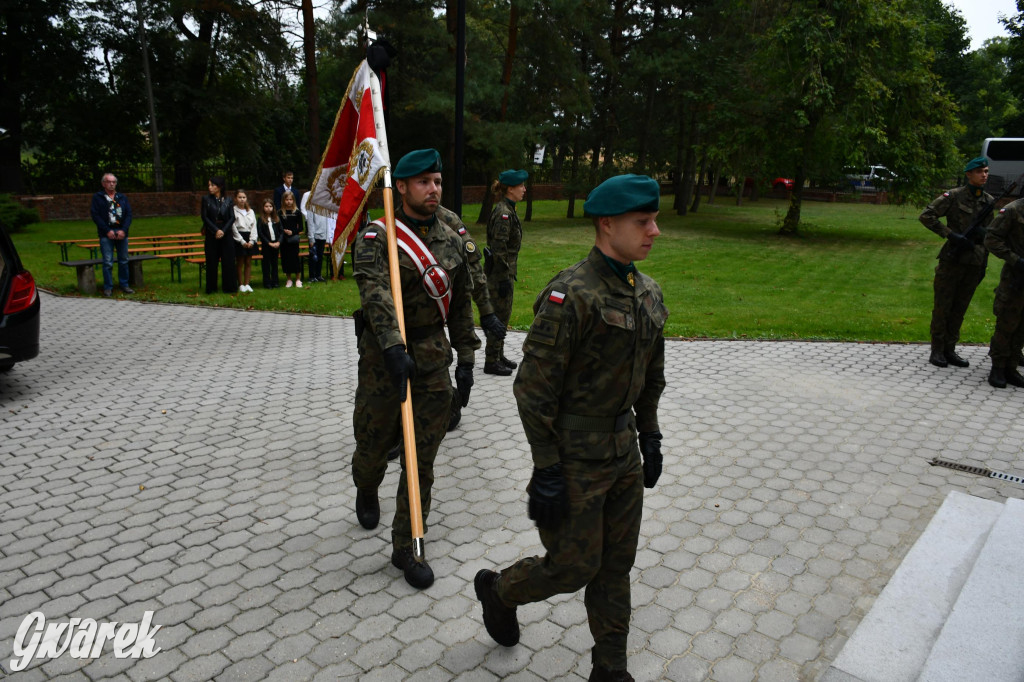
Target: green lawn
x,y
858,271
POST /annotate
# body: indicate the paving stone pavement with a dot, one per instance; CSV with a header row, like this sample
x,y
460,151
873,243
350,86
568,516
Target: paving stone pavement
x,y
195,462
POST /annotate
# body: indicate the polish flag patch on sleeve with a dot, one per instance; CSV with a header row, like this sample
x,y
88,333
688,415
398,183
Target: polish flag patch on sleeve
x,y
556,297
504,216
462,230
370,235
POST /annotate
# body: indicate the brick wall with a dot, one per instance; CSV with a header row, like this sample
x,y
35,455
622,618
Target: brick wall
x,y
151,204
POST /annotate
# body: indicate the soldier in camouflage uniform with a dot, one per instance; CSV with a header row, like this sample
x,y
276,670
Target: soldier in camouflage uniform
x,y
385,364
504,237
490,323
1005,239
592,374
962,260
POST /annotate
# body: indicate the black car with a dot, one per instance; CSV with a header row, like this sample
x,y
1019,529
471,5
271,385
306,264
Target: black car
x,y
19,307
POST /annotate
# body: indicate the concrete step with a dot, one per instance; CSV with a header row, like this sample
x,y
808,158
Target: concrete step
x,y
895,638
983,636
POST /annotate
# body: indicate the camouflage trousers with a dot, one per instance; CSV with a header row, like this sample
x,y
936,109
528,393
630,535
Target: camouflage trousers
x,y
503,309
954,287
1008,335
378,426
594,548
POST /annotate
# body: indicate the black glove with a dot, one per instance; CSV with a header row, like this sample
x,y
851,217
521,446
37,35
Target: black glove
x,y
464,380
650,448
958,240
492,326
549,500
400,366
505,288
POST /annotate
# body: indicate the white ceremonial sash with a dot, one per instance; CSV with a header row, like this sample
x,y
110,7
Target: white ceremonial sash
x,y
435,279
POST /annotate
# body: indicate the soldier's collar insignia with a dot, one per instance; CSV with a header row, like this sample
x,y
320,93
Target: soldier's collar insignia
x,y
556,297
631,279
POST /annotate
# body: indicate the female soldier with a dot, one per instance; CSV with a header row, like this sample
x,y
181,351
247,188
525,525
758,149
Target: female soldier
x,y
504,237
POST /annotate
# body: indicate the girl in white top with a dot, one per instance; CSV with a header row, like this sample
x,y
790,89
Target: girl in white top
x,y
244,232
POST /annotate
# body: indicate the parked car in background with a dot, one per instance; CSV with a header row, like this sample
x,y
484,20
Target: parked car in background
x,y
19,307
782,184
869,179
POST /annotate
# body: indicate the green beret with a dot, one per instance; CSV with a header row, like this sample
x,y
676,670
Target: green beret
x,y
513,178
419,161
976,162
622,194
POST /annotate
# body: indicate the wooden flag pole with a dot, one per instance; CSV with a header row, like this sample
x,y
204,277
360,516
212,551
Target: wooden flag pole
x,y
408,426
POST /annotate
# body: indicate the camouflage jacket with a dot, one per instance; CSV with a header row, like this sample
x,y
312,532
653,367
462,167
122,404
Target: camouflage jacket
x,y
473,258
959,206
427,343
504,237
595,349
1005,238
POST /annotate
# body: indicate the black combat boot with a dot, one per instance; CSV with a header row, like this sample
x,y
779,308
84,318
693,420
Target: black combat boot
x,y
997,377
600,674
367,508
417,573
938,358
497,368
1013,377
508,363
455,415
954,359
499,619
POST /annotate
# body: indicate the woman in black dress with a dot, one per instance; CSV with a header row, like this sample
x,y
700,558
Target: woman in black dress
x,y
291,224
218,213
268,227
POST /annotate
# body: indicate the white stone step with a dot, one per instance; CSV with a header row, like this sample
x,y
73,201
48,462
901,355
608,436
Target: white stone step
x,y
983,638
895,638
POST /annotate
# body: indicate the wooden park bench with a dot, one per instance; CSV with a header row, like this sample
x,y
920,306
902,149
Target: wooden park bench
x,y
87,276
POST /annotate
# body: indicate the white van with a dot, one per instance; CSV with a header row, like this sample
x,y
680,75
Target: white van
x,y
1005,163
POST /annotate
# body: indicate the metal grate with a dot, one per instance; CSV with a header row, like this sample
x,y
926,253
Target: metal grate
x,y
980,471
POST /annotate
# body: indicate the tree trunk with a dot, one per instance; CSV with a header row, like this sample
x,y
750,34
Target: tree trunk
x,y
791,223
154,131
312,84
574,170
10,105
690,166
700,178
715,173
510,54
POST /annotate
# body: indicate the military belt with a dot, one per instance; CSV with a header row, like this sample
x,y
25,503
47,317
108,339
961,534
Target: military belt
x,y
577,422
424,332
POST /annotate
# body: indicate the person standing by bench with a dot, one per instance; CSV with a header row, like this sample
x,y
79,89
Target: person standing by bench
x,y
113,216
291,224
268,227
218,218
244,233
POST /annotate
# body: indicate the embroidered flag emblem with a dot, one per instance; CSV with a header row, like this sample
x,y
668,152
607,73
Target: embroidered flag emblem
x,y
370,235
504,216
462,230
556,297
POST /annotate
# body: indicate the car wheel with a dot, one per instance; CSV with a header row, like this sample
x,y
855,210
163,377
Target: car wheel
x,y
779,187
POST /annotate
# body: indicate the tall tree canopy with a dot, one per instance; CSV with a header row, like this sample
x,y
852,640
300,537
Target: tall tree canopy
x,y
680,89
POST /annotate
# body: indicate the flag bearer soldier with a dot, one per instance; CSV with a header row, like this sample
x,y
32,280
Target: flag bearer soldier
x,y
1005,239
436,291
492,326
504,237
962,260
592,374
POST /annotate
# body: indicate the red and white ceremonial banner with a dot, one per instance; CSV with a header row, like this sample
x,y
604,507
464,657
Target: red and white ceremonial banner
x,y
352,163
